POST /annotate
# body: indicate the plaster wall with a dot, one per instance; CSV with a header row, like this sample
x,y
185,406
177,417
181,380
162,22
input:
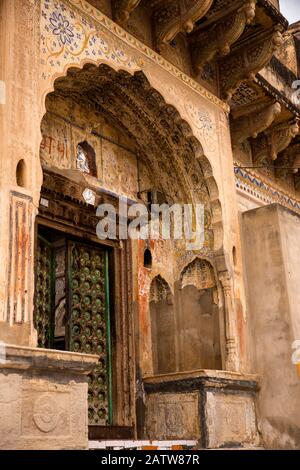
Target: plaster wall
x,y
270,248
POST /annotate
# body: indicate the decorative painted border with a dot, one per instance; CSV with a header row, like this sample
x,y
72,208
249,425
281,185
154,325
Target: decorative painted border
x,y
256,187
20,258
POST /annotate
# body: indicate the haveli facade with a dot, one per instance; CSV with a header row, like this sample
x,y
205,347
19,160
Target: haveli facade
x,y
187,101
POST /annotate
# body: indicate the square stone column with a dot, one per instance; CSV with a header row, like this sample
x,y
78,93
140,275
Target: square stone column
x,y
20,169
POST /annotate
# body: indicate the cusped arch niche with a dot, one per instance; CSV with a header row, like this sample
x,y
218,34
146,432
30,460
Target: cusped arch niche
x,y
199,317
164,141
161,306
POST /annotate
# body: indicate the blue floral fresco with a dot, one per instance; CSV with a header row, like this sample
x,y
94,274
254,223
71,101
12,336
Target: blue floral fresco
x,y
61,27
70,33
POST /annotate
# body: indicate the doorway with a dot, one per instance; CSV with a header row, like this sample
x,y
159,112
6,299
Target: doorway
x,y
72,309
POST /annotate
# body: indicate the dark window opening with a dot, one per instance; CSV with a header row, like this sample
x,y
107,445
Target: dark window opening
x,y
147,259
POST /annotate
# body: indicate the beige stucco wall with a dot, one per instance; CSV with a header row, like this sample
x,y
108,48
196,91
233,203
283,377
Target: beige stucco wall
x,y
290,232
271,256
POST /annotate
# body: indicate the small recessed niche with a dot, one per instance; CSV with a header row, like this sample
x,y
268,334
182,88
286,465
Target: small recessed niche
x,y
147,259
21,174
234,255
86,159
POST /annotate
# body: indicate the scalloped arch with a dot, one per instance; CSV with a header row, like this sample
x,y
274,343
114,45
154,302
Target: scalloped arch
x,y
130,102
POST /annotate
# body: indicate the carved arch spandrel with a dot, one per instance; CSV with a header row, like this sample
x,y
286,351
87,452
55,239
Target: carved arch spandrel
x,y
95,38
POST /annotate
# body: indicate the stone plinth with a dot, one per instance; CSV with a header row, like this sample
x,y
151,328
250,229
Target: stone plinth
x,y
43,398
217,408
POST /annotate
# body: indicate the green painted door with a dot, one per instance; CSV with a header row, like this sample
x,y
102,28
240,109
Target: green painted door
x,y
44,287
86,310
89,322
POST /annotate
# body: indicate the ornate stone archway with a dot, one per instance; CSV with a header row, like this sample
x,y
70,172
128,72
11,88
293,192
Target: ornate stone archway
x,y
196,114
164,141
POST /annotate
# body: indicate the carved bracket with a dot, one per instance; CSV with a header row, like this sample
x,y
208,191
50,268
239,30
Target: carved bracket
x,y
289,162
176,16
123,9
246,61
254,123
295,158
268,145
297,181
218,39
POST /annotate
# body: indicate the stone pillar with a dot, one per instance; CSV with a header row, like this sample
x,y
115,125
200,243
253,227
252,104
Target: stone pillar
x,y
232,362
20,171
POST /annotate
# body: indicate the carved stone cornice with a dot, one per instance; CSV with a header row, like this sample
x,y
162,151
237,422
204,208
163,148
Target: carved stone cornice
x,y
254,123
123,8
219,37
176,16
277,95
269,144
247,60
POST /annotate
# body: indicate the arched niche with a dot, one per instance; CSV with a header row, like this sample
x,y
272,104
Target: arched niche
x,y
21,174
163,326
86,158
198,318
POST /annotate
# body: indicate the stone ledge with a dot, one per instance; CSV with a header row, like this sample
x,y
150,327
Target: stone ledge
x,y
210,378
24,358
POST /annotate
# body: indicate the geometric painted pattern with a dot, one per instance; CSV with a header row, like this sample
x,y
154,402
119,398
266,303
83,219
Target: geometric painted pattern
x,y
255,187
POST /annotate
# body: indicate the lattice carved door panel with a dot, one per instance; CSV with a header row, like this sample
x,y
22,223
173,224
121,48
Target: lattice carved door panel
x,y
44,293
73,277
89,322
